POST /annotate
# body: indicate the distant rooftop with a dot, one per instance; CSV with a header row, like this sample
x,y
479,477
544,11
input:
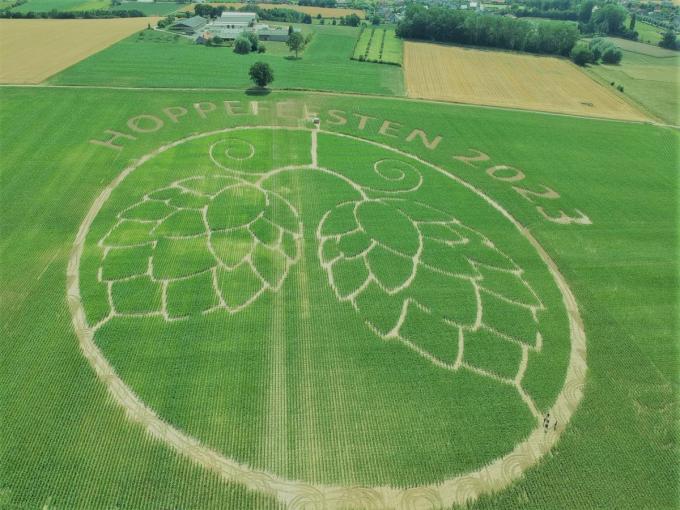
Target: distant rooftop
x,y
235,15
195,22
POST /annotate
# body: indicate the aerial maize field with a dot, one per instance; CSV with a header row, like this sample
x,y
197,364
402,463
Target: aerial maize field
x,y
211,301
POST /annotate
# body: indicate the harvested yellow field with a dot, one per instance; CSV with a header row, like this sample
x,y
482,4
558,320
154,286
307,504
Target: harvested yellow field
x,y
32,50
326,12
513,80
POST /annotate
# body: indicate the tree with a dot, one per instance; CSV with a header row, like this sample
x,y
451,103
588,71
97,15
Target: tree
x,y
261,73
669,40
586,11
597,46
307,19
612,55
242,46
351,20
296,42
375,20
633,19
581,54
290,29
609,18
254,40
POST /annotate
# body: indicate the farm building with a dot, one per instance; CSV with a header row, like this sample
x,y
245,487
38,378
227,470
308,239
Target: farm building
x,y
273,34
189,26
231,25
236,20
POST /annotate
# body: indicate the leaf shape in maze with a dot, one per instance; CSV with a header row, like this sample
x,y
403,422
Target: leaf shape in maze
x,y
418,275
199,245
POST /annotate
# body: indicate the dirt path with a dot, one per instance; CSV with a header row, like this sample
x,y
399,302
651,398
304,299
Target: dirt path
x,y
495,476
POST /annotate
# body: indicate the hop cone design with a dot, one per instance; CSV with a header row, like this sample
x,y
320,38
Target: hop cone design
x,y
416,274
199,245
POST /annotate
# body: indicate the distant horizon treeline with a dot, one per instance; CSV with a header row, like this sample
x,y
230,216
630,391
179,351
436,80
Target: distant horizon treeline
x,y
54,14
282,14
468,27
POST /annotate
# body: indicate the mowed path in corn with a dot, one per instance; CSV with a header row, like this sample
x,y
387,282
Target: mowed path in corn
x,y
496,78
33,50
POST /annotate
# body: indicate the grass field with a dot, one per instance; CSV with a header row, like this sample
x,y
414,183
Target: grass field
x,y
324,65
648,33
33,50
61,5
262,311
514,80
379,44
150,9
649,80
641,48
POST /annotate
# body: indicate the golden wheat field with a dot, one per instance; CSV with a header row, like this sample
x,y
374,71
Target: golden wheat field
x,y
326,12
466,75
32,50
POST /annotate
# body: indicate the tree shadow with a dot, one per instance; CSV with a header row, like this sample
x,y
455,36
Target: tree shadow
x,y
258,91
292,57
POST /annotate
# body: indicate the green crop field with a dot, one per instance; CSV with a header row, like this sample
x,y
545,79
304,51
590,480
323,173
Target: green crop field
x,y
325,65
650,79
61,5
378,45
150,9
209,302
393,47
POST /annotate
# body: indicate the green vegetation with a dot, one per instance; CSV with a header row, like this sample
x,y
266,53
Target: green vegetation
x,y
669,40
296,43
242,46
261,73
149,9
339,403
581,54
61,5
595,50
441,24
142,61
379,45
648,33
393,47
650,80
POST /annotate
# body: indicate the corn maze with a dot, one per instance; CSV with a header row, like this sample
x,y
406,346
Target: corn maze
x,y
373,314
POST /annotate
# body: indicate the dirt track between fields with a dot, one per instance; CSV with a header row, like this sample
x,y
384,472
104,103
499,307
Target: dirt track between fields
x,y
31,50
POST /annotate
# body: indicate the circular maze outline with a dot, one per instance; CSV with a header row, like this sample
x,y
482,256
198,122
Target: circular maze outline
x,y
460,489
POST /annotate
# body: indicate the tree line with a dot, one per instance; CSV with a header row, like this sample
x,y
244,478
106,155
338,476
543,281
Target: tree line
x,y
467,27
318,3
54,14
593,17
275,14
